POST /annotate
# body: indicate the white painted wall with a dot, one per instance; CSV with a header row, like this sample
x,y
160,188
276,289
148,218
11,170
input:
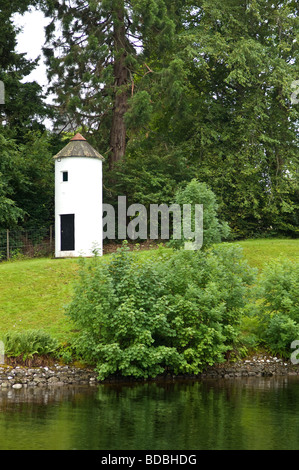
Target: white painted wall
x,y
80,195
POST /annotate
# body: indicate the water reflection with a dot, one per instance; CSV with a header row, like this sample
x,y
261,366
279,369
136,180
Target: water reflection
x,y
253,413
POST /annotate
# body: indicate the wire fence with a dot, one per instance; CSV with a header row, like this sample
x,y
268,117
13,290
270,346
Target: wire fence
x,y
17,244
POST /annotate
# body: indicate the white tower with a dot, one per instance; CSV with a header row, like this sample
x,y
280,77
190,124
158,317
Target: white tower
x,y
78,200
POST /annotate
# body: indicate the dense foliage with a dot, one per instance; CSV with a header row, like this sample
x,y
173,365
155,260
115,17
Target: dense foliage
x,y
29,343
93,53
220,111
167,92
26,181
180,311
273,313
26,148
176,312
24,108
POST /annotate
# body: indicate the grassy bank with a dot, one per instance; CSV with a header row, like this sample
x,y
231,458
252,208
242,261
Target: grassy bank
x,y
33,293
261,251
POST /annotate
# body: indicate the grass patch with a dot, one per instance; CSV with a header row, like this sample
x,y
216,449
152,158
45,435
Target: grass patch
x,y
33,294
258,252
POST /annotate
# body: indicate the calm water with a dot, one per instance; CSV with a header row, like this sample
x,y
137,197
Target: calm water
x,y
246,414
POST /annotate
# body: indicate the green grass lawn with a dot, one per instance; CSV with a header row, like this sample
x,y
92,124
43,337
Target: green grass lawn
x,y
33,293
260,251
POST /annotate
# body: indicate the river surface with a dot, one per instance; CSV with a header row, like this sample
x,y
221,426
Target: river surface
x,y
233,414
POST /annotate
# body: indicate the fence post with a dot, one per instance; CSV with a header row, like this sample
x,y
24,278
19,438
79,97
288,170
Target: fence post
x,y
7,244
51,237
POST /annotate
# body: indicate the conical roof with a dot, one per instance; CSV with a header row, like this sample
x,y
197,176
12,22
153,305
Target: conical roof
x,y
78,147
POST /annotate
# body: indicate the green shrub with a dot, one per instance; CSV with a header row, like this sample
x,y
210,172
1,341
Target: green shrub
x,y
279,289
28,343
250,332
176,312
281,331
277,306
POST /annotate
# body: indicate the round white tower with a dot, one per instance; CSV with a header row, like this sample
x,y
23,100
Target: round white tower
x,y
78,200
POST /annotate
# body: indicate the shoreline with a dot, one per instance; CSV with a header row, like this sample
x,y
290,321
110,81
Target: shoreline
x,y
259,365
19,376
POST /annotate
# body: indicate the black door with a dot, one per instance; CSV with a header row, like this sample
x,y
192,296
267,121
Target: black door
x,y
67,224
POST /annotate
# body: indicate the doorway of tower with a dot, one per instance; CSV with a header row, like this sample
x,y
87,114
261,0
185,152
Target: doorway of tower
x,y
67,232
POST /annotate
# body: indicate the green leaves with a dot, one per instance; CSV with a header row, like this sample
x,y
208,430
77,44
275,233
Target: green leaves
x,y
221,110
104,45
280,289
175,313
24,107
29,343
26,181
273,310
10,173
140,110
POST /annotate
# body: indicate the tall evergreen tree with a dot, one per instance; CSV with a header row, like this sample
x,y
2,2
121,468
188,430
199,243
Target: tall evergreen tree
x,y
249,130
222,110
24,107
10,212
100,53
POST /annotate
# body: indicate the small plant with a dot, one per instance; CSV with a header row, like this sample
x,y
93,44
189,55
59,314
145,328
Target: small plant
x,y
66,352
29,343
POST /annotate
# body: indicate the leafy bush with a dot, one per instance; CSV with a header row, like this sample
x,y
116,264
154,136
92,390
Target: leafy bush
x,y
280,333
279,289
277,305
250,332
177,312
28,343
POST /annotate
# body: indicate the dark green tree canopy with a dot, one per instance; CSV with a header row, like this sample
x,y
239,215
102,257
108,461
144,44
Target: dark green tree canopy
x,y
168,91
24,106
221,111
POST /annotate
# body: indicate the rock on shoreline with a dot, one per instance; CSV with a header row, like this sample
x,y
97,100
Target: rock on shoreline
x,y
258,366
19,377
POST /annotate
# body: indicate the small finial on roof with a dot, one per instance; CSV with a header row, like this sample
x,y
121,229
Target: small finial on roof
x,y
78,137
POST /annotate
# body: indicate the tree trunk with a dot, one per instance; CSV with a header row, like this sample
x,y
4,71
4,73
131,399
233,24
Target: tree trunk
x,y
118,128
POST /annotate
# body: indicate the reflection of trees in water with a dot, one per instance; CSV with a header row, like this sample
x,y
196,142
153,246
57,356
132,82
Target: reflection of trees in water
x,y
247,413
223,414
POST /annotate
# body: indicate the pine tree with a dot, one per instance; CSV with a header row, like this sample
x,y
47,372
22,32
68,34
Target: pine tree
x,y
94,62
224,114
24,107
